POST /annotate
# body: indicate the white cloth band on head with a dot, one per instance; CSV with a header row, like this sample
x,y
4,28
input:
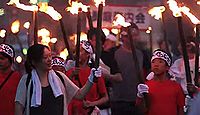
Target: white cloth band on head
x,y
58,62
161,55
111,37
87,46
7,50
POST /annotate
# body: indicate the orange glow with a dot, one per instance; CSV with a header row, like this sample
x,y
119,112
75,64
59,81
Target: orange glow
x,y
156,12
27,25
15,26
82,37
44,34
64,54
75,7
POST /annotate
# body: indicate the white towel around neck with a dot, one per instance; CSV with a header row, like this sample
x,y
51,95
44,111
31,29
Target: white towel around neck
x,y
37,89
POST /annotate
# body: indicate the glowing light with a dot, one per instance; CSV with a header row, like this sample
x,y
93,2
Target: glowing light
x,y
2,33
75,6
106,31
64,54
27,25
156,12
18,59
51,12
15,26
54,40
173,6
97,2
24,51
187,12
119,20
148,31
1,11
115,31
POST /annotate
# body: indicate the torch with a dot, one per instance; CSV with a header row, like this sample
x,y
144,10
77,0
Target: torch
x,y
157,13
3,35
89,19
149,32
177,13
197,39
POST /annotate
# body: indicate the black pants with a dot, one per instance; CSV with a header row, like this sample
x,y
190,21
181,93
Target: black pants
x,y
124,108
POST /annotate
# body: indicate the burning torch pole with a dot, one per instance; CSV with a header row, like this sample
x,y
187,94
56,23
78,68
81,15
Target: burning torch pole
x,y
65,39
78,44
184,50
35,20
165,33
89,17
98,36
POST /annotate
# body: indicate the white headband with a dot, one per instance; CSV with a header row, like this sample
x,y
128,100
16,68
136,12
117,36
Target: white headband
x,y
87,46
58,62
161,55
7,50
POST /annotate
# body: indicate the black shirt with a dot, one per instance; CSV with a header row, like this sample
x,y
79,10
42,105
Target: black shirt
x,y
49,105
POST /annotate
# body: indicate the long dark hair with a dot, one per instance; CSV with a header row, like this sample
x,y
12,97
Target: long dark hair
x,y
34,53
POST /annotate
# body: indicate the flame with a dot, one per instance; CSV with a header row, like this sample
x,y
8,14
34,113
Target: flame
x,y
106,31
97,2
15,26
64,54
75,7
1,11
51,12
44,33
156,12
54,40
148,31
120,20
2,33
173,6
27,25
22,6
73,38
187,12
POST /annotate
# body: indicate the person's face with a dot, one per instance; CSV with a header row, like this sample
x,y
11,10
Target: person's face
x,y
158,66
83,55
4,63
45,63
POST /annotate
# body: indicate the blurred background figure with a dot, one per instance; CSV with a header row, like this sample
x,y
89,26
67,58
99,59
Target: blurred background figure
x,y
58,64
8,80
79,75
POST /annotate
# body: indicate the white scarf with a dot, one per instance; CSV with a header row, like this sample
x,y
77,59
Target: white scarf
x,y
37,89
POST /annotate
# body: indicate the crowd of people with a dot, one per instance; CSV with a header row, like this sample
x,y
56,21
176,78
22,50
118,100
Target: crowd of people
x,y
128,81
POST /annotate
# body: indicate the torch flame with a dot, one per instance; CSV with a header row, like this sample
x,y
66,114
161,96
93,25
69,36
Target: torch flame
x,y
27,25
75,7
173,6
44,33
97,2
51,12
64,54
120,20
22,6
156,12
187,12
15,26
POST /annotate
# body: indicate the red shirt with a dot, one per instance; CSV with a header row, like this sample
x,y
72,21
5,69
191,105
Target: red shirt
x,y
94,94
8,92
165,97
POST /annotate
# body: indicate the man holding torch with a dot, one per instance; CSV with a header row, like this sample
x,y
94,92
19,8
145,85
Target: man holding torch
x,y
125,85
